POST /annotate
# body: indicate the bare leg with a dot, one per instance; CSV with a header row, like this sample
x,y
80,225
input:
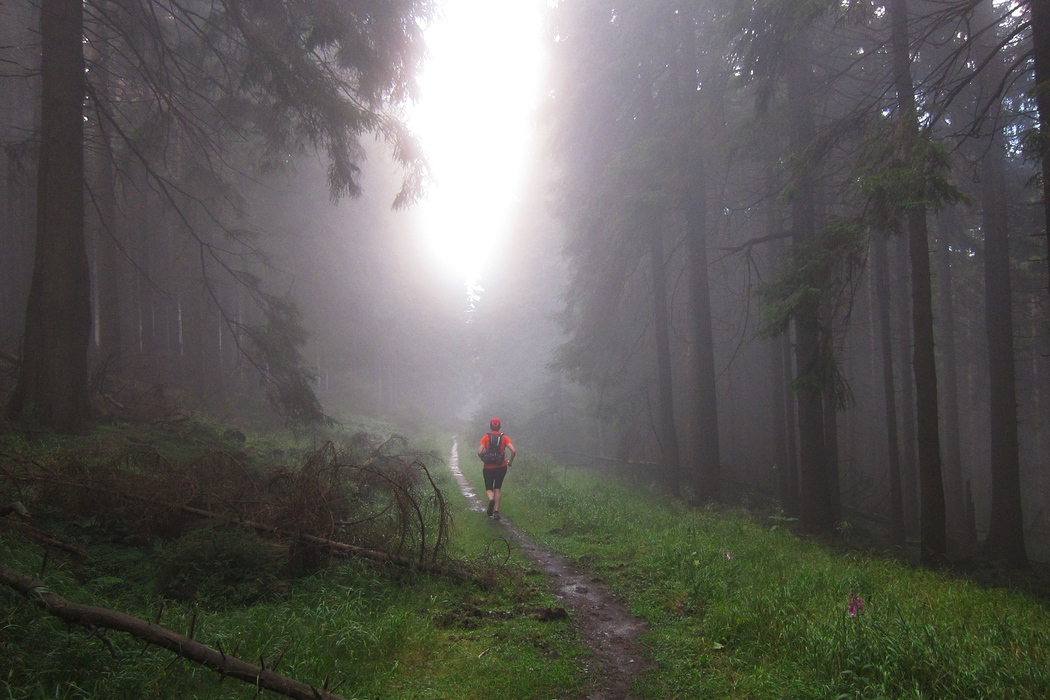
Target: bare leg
x,y
498,494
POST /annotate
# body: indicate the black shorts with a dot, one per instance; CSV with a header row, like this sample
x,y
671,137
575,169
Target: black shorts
x,y
494,477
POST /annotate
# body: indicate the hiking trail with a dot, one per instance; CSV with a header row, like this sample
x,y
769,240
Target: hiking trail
x,y
604,624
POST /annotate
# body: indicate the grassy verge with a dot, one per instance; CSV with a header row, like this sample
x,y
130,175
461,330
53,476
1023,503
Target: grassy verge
x,y
377,632
745,610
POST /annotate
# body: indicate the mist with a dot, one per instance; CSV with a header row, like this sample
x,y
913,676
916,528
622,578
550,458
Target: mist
x,y
740,267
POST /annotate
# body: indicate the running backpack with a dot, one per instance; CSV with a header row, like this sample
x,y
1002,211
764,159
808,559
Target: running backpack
x,y
493,454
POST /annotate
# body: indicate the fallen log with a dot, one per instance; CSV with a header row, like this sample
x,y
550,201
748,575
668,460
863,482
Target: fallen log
x,y
16,508
338,548
36,533
184,646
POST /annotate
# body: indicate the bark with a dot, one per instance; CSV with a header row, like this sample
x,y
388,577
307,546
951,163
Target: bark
x,y
52,387
955,513
687,63
108,259
831,448
933,539
186,647
1040,19
816,514
661,330
909,467
784,426
880,262
708,483
1005,539
933,544
102,182
19,111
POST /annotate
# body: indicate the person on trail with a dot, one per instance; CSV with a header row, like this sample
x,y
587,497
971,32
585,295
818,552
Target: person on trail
x,y
493,449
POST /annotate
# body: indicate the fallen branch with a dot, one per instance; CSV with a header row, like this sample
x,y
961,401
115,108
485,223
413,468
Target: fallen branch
x,y
339,548
16,508
186,647
47,540
36,533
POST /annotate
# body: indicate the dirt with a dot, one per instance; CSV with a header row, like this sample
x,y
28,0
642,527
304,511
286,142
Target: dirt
x,y
604,624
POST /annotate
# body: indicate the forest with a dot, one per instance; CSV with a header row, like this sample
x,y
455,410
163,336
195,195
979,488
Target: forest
x,y
778,255
754,251
808,256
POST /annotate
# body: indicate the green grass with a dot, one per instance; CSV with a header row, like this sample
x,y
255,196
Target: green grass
x,y
378,632
737,609
744,610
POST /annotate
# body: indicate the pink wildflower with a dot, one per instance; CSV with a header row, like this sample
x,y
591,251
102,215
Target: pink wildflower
x,y
728,555
856,605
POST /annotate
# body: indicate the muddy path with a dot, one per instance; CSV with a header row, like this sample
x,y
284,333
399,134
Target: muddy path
x,y
605,625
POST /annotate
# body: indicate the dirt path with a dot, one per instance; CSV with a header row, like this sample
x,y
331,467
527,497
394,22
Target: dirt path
x,y
605,625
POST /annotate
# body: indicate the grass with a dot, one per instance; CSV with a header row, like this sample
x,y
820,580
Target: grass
x,y
737,609
377,632
740,609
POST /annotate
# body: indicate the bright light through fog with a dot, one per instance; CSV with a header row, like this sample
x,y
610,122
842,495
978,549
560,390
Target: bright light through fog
x,y
475,117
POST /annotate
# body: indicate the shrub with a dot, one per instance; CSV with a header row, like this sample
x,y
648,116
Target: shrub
x,y
218,565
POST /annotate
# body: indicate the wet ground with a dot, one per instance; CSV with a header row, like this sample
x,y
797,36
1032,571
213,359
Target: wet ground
x,y
604,624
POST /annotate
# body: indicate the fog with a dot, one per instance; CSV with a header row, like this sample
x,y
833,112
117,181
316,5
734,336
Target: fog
x,y
651,249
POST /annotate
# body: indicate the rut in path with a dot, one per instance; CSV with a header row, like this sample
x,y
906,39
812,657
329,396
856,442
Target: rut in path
x,y
605,625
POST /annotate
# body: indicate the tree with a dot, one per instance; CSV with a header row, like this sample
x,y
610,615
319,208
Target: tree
x,y
932,522
881,274
289,78
52,382
1039,21
1005,539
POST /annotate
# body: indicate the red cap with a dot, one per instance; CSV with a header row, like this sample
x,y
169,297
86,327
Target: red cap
x,y
494,424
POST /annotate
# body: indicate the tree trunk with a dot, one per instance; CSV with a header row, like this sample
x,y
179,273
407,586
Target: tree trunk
x,y
816,514
109,268
667,432
708,472
784,425
1040,19
909,467
955,511
831,432
880,262
933,545
52,385
1005,539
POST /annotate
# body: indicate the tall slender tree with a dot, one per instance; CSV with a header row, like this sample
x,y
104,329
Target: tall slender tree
x,y
52,387
931,487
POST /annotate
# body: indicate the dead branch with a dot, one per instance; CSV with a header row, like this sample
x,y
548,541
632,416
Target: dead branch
x,y
758,240
95,617
340,548
302,505
16,508
36,533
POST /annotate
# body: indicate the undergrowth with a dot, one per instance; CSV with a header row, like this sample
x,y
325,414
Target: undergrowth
x,y
369,630
737,607
742,609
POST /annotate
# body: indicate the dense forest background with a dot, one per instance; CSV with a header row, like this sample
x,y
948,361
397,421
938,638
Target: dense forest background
x,y
773,251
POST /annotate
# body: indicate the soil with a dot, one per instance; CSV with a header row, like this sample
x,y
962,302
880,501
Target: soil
x,y
604,624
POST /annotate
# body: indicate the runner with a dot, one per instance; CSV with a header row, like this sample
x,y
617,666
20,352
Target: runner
x,y
493,449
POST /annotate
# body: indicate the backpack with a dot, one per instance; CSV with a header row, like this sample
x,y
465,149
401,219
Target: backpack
x,y
493,454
